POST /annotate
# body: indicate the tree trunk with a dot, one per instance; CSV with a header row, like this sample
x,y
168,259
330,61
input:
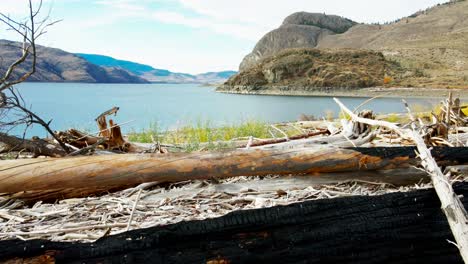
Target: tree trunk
x,y
97,172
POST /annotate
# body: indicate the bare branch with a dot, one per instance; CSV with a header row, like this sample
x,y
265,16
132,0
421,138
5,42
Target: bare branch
x,y
14,104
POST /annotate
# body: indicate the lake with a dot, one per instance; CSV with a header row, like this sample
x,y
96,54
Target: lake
x,y
171,105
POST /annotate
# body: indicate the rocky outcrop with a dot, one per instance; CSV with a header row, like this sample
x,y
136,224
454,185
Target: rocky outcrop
x,y
428,48
299,30
296,70
333,23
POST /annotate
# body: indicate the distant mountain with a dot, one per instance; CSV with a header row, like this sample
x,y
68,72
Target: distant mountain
x,y
214,77
157,75
107,61
55,65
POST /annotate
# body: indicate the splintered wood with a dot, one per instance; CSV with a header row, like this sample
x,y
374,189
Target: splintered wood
x,y
109,137
88,219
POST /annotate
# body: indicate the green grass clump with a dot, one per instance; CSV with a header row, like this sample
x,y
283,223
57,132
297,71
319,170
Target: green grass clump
x,y
394,118
153,132
192,136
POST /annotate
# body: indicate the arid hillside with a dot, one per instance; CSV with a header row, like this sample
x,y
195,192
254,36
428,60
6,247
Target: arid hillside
x,y
308,68
431,45
55,65
426,49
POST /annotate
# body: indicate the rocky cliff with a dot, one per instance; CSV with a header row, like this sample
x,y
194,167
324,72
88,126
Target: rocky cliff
x,y
299,30
426,49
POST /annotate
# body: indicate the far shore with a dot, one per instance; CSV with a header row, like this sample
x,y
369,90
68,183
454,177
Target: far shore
x,y
364,92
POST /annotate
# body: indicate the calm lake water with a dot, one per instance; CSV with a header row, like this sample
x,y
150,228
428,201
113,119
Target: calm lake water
x,y
171,105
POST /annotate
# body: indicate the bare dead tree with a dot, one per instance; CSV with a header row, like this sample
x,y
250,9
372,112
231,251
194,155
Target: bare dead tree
x,y
13,109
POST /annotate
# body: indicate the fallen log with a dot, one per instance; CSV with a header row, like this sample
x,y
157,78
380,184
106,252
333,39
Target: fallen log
x,y
396,177
392,228
96,172
38,147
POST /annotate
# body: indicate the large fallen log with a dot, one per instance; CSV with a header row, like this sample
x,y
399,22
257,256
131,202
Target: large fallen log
x,y
393,228
396,177
98,172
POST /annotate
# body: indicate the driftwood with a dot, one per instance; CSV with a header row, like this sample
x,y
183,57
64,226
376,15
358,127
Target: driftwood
x,y
395,177
338,140
451,204
38,147
109,137
392,228
98,172
257,143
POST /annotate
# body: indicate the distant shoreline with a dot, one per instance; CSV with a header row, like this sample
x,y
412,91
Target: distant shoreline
x,y
364,92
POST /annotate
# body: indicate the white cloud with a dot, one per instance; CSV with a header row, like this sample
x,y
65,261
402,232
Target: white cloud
x,y
240,30
19,7
264,15
130,6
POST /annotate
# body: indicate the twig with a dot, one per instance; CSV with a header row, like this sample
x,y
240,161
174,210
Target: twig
x,y
249,143
133,210
88,148
281,131
366,102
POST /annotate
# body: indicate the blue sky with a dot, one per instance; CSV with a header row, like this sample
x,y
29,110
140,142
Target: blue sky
x,y
190,36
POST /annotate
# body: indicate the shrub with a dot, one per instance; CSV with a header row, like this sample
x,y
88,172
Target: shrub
x,y
387,80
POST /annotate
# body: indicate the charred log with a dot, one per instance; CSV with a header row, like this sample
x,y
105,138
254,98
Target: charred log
x,y
393,228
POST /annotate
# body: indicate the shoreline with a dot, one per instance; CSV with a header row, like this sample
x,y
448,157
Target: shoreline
x,y
364,92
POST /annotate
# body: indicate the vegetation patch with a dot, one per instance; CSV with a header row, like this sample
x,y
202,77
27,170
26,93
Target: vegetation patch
x,y
313,68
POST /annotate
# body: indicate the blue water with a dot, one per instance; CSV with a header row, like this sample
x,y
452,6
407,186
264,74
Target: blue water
x,y
171,105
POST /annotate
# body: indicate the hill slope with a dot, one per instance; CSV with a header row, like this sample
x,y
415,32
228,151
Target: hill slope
x,y
157,75
299,30
55,65
306,69
429,48
432,46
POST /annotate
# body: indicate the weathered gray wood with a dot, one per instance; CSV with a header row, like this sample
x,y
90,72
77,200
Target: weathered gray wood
x,y
38,147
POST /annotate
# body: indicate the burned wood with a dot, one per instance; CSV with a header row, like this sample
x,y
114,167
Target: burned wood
x,y
450,202
323,231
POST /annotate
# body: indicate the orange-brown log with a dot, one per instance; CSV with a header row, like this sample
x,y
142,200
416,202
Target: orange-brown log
x,y
98,172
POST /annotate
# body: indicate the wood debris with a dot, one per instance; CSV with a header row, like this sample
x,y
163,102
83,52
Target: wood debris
x,y
88,219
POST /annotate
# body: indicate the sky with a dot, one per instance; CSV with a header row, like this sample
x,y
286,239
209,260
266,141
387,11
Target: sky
x,y
191,36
